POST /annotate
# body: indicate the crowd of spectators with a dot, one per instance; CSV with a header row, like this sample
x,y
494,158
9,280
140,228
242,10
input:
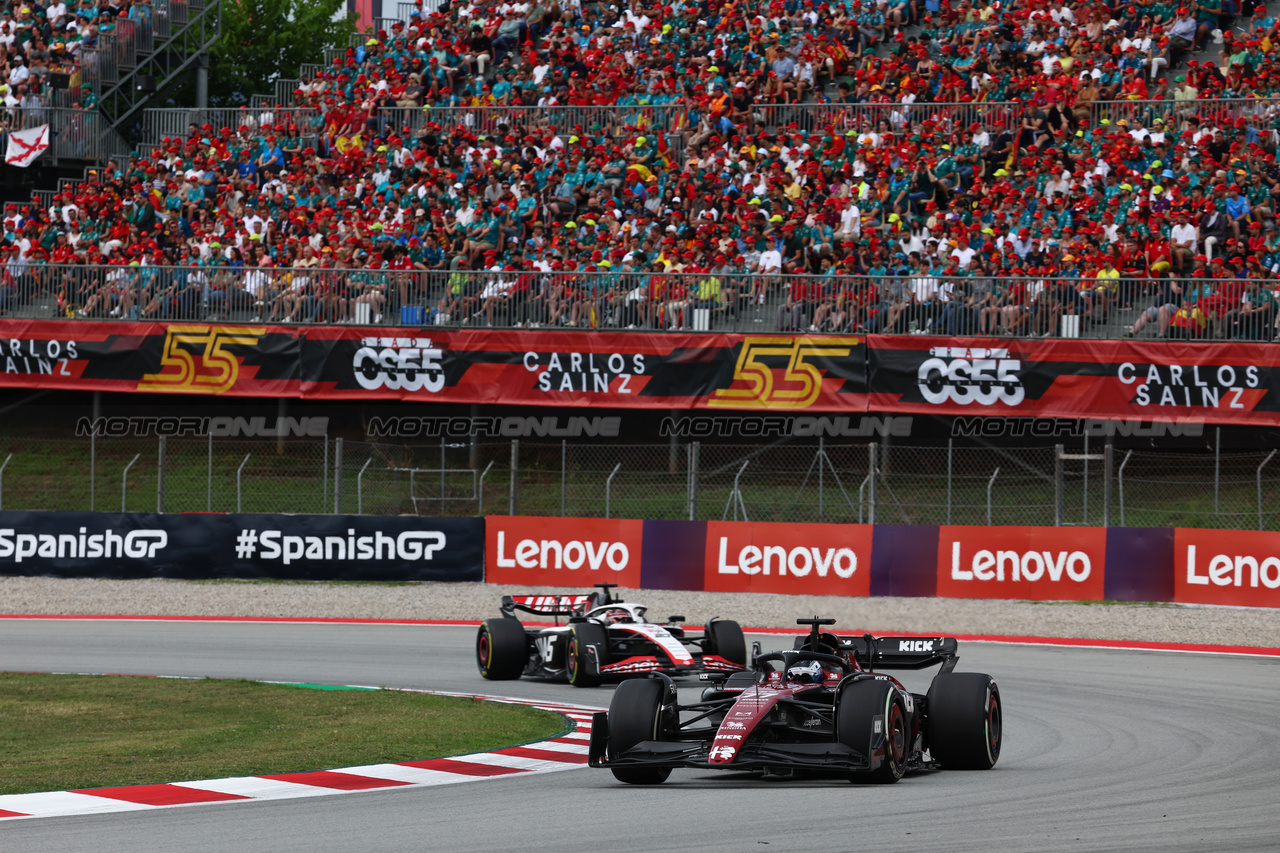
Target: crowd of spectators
x,y
786,164
43,38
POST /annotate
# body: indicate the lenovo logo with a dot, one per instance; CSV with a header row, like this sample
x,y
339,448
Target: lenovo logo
x,y
1029,566
554,554
1233,571
797,562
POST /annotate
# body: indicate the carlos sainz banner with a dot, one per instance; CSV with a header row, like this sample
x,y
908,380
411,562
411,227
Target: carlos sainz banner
x,y
1132,380
629,370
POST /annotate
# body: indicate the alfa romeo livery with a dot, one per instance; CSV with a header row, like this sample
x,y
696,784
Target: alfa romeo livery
x,y
604,638
819,707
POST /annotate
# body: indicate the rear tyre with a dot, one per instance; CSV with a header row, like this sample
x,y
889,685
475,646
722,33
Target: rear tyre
x,y
635,715
727,641
966,721
502,651
581,636
862,705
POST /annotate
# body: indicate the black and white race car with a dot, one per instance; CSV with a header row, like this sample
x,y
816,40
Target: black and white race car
x,y
824,706
603,638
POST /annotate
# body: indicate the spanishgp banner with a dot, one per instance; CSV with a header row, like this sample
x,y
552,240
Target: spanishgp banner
x,y
779,372
295,547
1120,380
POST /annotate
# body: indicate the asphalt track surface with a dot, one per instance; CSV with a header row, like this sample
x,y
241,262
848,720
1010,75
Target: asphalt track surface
x,y
1104,750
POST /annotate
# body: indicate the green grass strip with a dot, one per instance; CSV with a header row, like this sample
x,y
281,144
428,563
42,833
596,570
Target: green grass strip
x,y
66,732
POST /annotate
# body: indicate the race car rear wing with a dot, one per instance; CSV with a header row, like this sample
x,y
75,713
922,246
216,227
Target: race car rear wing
x,y
903,652
547,605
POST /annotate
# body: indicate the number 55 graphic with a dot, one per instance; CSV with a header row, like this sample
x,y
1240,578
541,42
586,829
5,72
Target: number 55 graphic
x,y
761,359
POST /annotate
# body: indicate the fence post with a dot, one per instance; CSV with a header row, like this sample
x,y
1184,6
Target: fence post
x,y
244,462
695,452
1217,465
443,460
480,490
950,451
160,478
991,483
822,457
1057,486
124,482
1084,495
2,467
337,475
515,474
360,487
871,504
1120,484
608,486
564,458
324,468
93,466
208,500
1261,526
1108,463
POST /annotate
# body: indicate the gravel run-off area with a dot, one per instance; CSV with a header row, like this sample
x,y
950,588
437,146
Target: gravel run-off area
x,y
1234,626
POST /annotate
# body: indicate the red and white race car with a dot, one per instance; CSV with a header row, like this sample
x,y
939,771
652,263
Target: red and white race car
x,y
820,707
603,638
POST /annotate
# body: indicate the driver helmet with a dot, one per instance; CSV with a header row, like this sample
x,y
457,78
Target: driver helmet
x,y
809,672
616,615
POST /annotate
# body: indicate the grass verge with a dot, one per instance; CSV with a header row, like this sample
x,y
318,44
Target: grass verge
x,y
75,731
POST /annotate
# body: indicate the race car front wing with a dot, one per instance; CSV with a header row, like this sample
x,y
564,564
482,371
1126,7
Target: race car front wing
x,y
753,755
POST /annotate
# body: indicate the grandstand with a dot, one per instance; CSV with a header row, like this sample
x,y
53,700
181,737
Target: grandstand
x,y
1021,168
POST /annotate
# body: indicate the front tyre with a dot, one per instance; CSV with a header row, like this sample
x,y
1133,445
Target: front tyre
x,y
727,641
583,636
502,651
872,712
636,715
966,721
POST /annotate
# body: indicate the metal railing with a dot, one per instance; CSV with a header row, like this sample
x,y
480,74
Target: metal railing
x,y
723,301
789,480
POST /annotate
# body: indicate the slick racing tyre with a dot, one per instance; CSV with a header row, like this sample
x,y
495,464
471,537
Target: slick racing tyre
x,y
636,715
966,721
727,641
576,660
501,649
868,710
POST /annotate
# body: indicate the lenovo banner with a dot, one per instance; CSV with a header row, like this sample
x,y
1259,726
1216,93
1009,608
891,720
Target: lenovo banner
x,y
1242,568
799,559
1043,378
300,547
576,552
1037,563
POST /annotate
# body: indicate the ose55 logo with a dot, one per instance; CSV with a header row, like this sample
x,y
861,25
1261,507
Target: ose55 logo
x,y
196,359
967,375
778,372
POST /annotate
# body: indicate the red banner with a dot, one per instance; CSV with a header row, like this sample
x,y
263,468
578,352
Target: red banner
x,y
1239,567
551,368
800,559
575,552
1037,563
1117,380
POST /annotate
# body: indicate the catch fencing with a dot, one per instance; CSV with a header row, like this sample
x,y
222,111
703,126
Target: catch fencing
x,y
726,300
830,480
